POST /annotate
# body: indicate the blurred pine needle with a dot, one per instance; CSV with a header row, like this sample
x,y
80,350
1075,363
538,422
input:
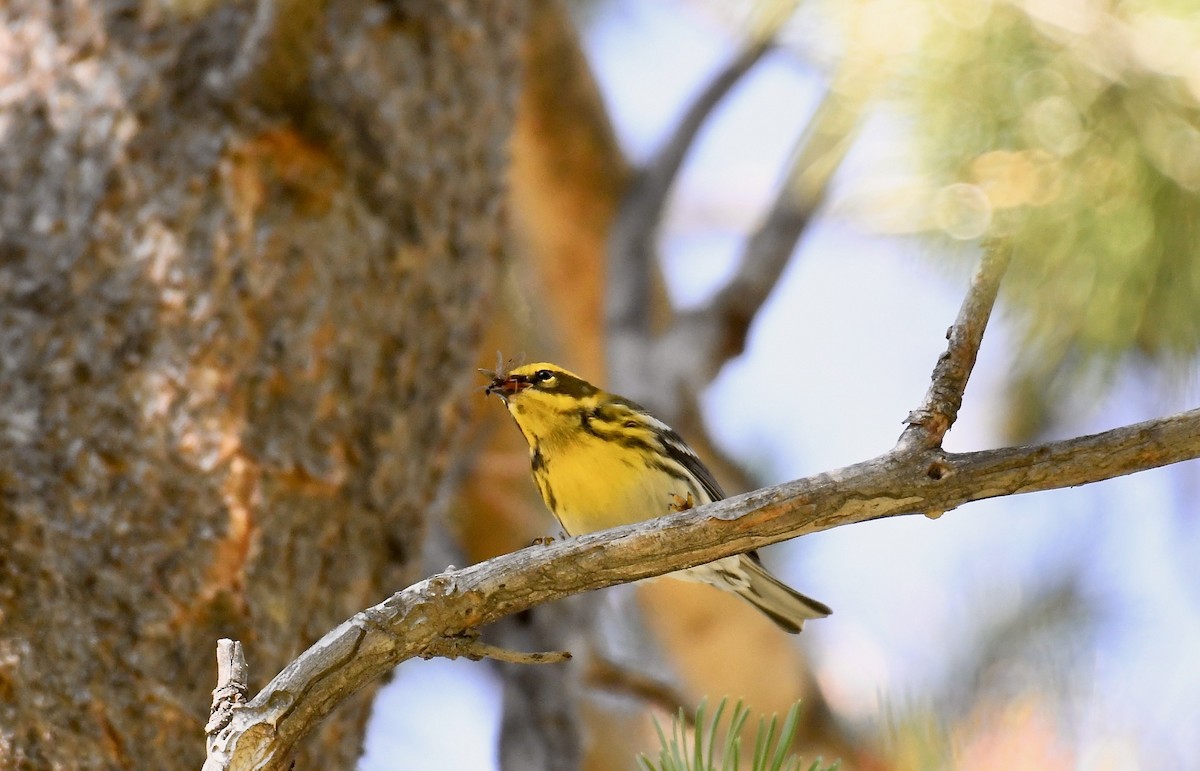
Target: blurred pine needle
x,y
699,752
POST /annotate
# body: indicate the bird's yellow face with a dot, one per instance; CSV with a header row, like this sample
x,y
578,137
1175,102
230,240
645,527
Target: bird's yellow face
x,y
544,399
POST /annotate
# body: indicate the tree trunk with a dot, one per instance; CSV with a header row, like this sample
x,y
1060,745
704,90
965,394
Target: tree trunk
x,y
245,255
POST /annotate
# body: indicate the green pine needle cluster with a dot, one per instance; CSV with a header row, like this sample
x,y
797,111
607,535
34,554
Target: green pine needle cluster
x,y
700,751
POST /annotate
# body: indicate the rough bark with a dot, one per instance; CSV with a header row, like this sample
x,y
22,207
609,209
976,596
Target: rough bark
x,y
245,251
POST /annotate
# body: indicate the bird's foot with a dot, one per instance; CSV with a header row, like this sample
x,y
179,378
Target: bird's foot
x,y
680,503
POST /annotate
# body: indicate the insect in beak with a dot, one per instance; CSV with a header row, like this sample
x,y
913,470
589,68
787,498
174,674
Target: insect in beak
x,y
501,384
507,386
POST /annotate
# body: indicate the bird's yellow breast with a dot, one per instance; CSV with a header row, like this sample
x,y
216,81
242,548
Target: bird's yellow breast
x,y
590,484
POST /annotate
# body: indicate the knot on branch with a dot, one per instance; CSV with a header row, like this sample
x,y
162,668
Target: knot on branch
x,y
938,470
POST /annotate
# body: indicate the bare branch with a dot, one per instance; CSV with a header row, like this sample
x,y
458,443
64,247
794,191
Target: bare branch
x,y
928,424
265,731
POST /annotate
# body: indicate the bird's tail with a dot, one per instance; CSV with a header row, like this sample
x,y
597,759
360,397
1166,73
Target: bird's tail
x,y
746,577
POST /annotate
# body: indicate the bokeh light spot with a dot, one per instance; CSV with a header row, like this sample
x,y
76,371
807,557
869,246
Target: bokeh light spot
x,y
1056,125
962,211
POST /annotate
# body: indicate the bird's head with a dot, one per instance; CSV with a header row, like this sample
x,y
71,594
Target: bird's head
x,y
543,398
538,382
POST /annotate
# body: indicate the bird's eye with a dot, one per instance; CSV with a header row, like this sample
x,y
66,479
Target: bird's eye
x,y
543,376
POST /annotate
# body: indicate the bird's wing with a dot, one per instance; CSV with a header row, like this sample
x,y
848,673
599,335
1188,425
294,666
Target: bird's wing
x,y
678,450
685,456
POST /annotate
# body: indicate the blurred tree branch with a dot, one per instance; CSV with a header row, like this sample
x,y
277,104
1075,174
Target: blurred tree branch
x,y
611,676
632,248
665,369
716,332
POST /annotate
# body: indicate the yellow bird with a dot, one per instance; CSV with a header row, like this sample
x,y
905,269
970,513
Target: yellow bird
x,y
600,460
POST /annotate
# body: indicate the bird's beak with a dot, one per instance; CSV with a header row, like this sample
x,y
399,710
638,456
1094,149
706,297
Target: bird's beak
x,y
507,386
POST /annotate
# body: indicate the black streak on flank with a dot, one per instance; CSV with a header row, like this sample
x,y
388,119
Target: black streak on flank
x,y
538,463
551,501
674,473
603,429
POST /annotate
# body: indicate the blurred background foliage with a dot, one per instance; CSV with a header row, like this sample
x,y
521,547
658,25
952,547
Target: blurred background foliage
x,y
1072,129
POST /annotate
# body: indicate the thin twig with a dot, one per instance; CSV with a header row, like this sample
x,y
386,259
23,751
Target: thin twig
x,y
928,424
483,650
265,731
468,645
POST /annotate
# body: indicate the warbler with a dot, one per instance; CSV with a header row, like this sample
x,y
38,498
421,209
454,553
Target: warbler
x,y
600,460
